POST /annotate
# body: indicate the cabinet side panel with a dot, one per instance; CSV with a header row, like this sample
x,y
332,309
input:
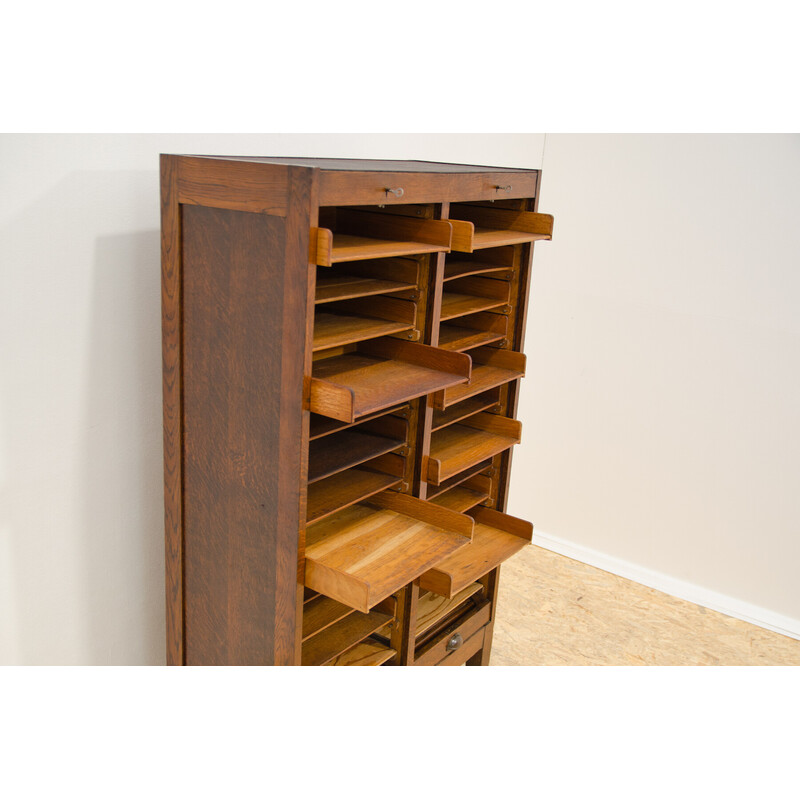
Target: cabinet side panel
x,y
236,364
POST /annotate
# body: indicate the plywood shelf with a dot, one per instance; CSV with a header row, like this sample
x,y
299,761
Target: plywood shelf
x,y
339,637
382,373
346,449
344,489
364,553
497,537
491,368
460,446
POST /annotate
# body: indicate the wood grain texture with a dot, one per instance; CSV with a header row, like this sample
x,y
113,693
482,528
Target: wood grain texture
x,y
344,489
342,286
171,336
461,498
348,448
239,186
433,607
458,447
340,637
505,220
467,626
325,426
321,612
455,268
470,332
497,537
368,653
332,330
481,402
361,555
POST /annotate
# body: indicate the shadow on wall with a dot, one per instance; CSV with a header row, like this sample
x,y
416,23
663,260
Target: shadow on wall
x,y
81,505
121,459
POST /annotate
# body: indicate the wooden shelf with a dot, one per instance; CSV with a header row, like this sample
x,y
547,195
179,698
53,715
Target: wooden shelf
x,y
473,331
345,287
481,402
471,295
382,373
461,498
345,489
479,227
460,446
339,451
321,612
432,607
462,269
496,538
362,235
491,367
340,637
368,653
325,426
446,485
333,330
361,555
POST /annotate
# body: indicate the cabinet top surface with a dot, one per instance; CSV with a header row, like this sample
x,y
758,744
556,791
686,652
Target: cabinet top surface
x,y
366,164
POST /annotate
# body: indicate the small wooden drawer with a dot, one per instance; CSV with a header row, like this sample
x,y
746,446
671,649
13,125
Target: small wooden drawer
x,y
457,642
478,227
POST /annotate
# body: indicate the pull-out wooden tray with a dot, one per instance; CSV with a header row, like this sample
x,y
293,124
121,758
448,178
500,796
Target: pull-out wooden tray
x,y
350,321
366,278
481,402
361,555
496,538
457,268
478,227
432,607
325,426
491,367
460,446
472,331
382,373
339,637
369,653
484,468
473,294
468,494
362,235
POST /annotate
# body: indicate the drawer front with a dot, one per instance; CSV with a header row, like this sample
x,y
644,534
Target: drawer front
x,y
468,649
396,188
456,640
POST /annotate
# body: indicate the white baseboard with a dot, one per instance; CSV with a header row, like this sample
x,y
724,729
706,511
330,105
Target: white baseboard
x,y
708,598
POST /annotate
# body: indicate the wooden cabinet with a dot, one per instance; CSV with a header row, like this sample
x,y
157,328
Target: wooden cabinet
x,y
342,359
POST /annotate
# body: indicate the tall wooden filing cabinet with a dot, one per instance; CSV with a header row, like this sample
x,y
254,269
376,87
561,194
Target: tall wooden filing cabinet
x,y
342,354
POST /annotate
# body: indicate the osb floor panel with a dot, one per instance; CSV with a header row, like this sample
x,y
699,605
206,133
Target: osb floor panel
x,y
553,611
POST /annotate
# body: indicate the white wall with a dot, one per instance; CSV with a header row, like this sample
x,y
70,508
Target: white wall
x,y
662,404
660,410
81,531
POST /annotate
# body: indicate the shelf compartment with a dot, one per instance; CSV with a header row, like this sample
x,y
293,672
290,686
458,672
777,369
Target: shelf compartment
x,y
472,492
477,469
477,438
497,537
361,555
344,489
350,321
473,331
349,448
340,637
368,653
432,607
381,373
462,269
367,278
491,367
470,295
365,235
478,227
321,612
481,402
324,426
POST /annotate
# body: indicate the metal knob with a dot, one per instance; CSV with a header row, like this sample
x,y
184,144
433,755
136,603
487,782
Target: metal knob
x,y
504,188
455,642
398,192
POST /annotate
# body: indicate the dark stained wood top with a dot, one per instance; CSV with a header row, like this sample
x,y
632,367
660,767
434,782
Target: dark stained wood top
x,y
365,164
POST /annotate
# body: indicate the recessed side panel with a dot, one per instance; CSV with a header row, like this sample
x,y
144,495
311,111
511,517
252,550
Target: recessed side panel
x,y
238,362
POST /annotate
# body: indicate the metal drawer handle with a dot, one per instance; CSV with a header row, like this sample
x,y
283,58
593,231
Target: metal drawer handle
x,y
398,192
455,642
504,188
